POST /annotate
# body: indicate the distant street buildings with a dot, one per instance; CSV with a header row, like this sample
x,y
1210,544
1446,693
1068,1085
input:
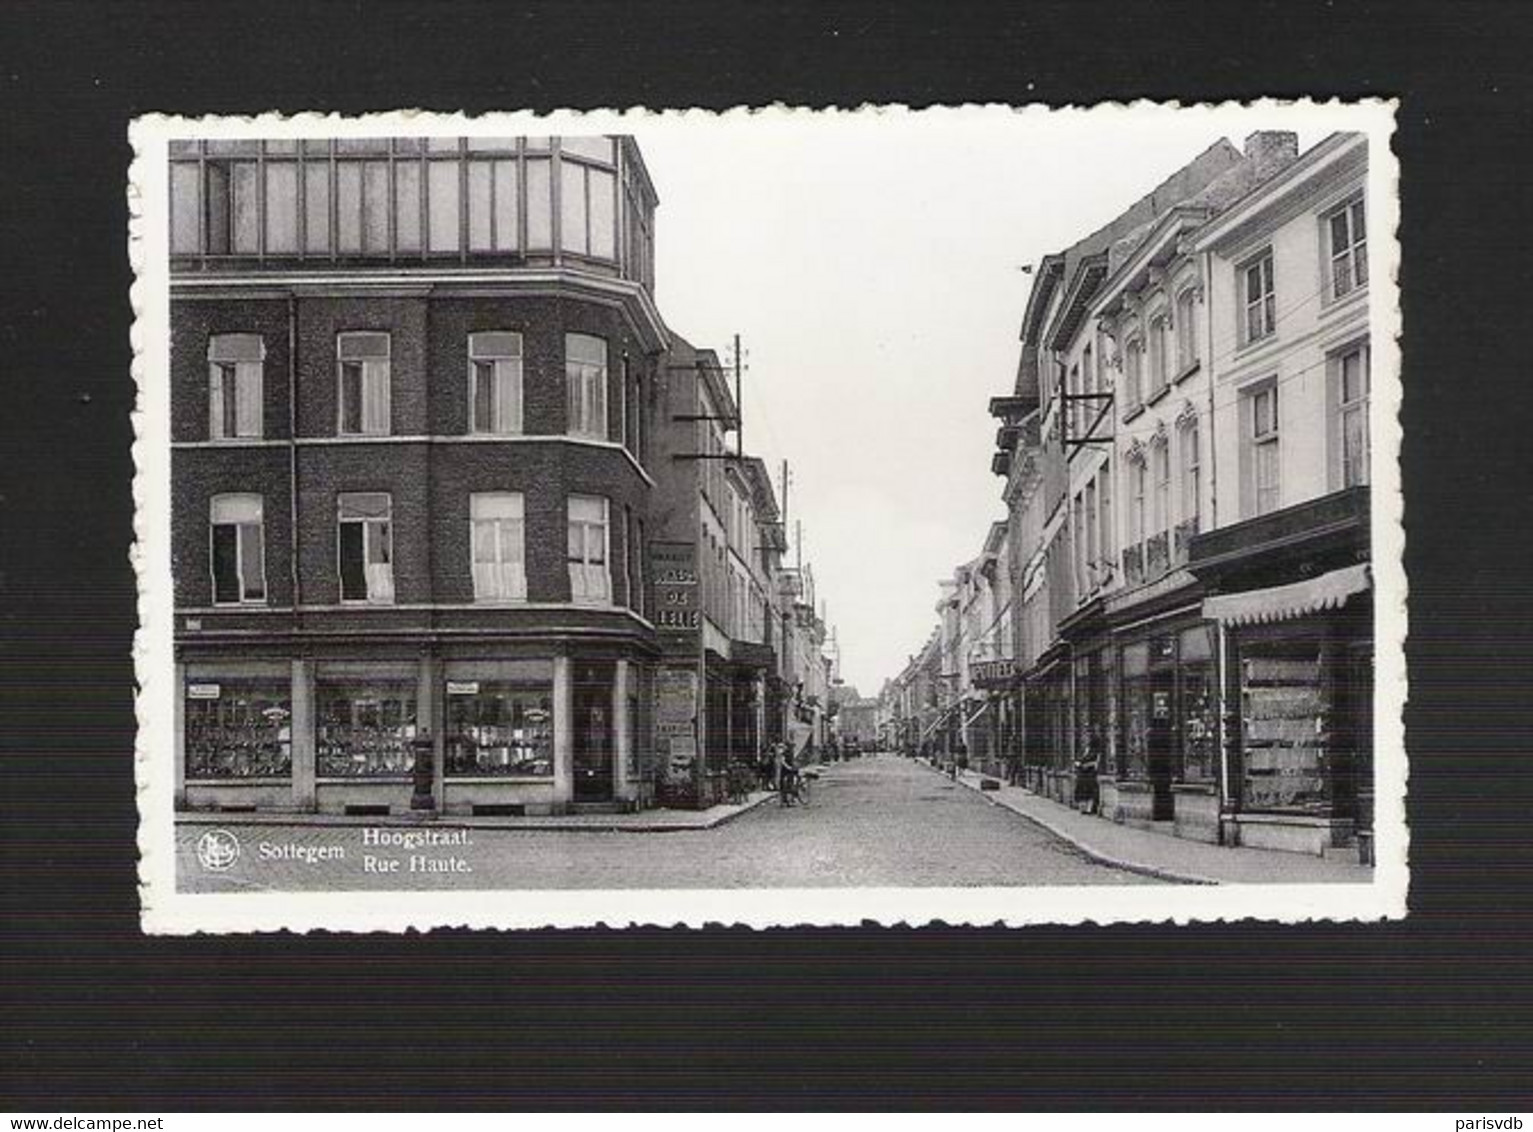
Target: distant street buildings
x,y
1172,623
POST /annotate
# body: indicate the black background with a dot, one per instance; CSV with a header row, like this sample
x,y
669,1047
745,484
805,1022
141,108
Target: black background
x,y
1429,1013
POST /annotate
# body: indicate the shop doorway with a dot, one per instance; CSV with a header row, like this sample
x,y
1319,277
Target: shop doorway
x,y
1158,742
593,740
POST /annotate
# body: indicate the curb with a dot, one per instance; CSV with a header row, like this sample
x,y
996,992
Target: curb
x,y
1096,855
401,821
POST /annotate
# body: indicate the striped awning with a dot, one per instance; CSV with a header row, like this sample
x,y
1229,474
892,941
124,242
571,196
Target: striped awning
x,y
1283,603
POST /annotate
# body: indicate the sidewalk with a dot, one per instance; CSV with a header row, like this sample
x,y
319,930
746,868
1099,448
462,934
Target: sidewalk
x,y
645,821
1159,855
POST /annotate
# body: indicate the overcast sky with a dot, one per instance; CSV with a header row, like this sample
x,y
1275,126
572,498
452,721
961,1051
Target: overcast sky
x,y
871,265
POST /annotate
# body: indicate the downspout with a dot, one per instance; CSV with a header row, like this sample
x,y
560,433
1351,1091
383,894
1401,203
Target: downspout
x,y
1213,446
1221,650
292,456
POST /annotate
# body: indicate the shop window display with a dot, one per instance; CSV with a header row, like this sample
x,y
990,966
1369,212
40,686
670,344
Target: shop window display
x,y
1199,712
239,729
1134,762
1283,725
499,728
365,730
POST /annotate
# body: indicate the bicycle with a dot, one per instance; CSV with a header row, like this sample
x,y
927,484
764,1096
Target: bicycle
x,y
798,788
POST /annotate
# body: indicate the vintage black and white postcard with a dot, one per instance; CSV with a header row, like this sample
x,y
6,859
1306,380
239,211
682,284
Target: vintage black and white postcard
x,y
978,515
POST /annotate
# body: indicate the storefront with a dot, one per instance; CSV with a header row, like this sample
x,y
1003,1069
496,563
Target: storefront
x,y
1291,597
1167,766
1049,727
1301,743
524,734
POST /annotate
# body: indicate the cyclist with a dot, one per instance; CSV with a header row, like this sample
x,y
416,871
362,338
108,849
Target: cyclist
x,y
787,775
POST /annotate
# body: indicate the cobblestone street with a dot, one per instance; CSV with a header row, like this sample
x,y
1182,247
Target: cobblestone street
x,y
879,821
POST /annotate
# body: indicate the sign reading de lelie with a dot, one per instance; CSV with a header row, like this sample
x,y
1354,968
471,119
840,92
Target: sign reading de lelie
x,y
674,569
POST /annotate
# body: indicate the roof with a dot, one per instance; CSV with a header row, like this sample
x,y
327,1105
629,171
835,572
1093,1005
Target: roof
x,y
1087,261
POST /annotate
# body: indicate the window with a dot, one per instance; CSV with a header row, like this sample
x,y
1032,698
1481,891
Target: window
x,y
240,728
364,384
1351,370
362,206
281,207
495,383
585,369
366,547
232,216
234,385
1104,507
1160,454
1158,356
364,728
588,210
1093,546
239,554
502,727
1186,330
1078,545
185,208
1263,406
589,581
1348,248
1133,365
641,605
1138,473
492,205
497,535
1192,492
1260,300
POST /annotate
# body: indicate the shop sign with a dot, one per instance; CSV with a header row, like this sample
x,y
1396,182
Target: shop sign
x,y
675,721
675,603
993,673
463,687
203,691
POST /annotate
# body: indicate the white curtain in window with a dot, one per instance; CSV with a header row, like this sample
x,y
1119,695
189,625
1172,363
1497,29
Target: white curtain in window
x,y
496,358
380,583
247,386
498,546
588,549
375,396
586,374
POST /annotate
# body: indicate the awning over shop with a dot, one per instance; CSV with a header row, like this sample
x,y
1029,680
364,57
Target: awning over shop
x,y
1282,603
979,711
942,718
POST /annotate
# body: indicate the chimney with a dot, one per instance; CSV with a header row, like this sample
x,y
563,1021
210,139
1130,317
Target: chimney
x,y
1270,150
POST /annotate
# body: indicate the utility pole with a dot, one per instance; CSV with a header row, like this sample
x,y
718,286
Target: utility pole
x,y
739,406
785,493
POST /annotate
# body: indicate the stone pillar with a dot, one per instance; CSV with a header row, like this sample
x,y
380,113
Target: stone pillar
x,y
305,795
178,724
564,734
621,726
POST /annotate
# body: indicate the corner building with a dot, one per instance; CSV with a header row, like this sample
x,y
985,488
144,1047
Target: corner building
x,y
412,381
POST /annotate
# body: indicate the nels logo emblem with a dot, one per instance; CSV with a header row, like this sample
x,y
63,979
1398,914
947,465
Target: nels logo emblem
x,y
217,850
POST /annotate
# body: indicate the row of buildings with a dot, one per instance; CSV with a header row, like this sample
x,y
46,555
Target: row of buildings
x,y
449,495
1174,616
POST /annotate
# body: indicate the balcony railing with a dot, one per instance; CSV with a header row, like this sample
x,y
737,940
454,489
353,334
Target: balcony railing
x,y
1157,555
1133,564
1181,539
